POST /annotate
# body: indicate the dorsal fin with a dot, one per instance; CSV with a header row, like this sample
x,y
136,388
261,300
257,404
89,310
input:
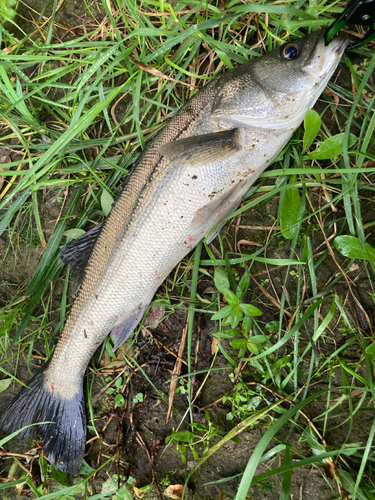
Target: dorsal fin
x,y
76,254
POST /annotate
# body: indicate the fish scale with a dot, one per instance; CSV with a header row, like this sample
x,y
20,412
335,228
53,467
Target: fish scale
x,y
193,175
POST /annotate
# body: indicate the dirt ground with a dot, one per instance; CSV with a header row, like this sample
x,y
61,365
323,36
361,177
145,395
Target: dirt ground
x,y
138,431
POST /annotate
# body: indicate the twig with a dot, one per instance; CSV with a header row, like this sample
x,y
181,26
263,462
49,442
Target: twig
x,y
196,353
272,299
177,368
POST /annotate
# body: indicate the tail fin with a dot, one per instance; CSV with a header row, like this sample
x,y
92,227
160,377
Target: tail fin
x,y
63,440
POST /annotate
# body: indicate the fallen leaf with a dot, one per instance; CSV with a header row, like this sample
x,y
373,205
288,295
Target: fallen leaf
x,y
214,346
5,159
175,491
4,384
154,317
140,492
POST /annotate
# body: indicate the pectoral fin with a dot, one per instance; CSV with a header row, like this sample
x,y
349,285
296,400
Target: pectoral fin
x,y
200,149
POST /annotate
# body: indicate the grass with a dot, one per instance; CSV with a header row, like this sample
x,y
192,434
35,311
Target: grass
x,y
77,104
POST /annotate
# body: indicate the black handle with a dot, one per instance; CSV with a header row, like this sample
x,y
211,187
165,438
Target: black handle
x,y
360,12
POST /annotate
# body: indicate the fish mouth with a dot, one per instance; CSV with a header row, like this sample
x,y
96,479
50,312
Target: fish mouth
x,y
330,54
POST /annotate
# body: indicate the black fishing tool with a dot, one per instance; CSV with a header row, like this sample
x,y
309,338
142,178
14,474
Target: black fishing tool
x,y
361,12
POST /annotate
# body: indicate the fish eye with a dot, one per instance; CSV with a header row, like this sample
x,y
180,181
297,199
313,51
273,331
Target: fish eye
x,y
290,51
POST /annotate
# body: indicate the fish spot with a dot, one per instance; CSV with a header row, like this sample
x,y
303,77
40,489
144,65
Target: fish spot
x,y
194,177
96,296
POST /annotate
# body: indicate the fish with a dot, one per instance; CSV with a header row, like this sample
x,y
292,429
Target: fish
x,y
191,176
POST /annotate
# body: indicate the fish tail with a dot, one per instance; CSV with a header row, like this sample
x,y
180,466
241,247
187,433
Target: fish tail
x,y
64,438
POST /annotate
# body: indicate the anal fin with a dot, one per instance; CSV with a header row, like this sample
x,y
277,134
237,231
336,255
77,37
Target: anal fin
x,y
210,238
122,332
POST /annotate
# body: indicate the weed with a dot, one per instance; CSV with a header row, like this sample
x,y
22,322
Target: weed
x,y
186,441
115,391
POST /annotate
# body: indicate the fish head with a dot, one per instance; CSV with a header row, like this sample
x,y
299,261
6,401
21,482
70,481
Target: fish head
x,y
275,91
